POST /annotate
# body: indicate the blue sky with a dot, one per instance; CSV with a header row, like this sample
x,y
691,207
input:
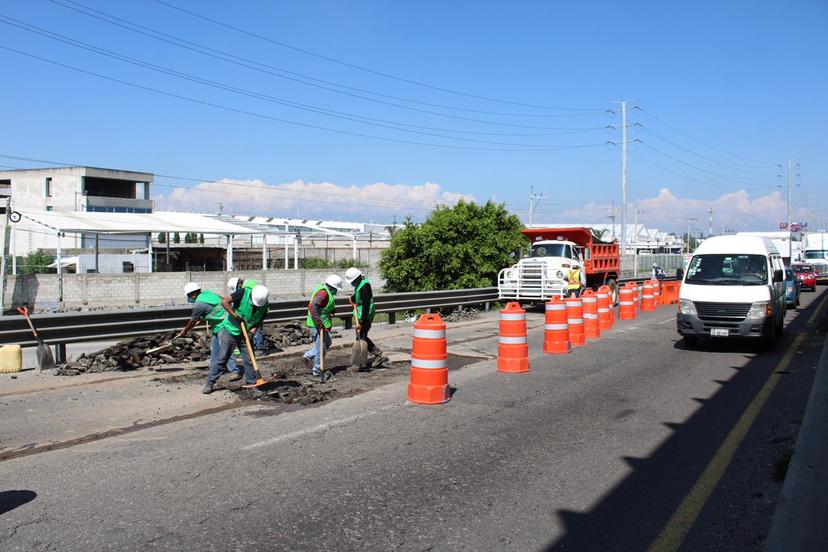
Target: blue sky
x,y
726,91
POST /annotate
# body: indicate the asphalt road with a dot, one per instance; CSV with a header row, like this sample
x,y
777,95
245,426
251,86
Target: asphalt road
x,y
595,450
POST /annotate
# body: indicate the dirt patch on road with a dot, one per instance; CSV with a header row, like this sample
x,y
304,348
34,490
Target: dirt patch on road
x,y
293,384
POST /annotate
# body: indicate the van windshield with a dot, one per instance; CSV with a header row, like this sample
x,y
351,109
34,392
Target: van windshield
x,y
728,270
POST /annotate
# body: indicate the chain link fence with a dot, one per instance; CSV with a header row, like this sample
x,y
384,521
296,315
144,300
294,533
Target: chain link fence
x,y
668,262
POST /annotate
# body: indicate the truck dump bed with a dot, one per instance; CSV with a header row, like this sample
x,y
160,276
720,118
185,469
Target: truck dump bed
x,y
603,255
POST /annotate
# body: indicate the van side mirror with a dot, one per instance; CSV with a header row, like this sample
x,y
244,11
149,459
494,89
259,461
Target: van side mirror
x,y
586,253
778,276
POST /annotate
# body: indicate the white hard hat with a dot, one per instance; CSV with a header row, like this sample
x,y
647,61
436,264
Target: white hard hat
x,y
259,295
233,284
334,281
352,274
191,287
655,265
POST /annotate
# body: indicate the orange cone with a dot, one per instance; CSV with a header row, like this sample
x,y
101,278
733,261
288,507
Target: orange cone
x,y
591,329
575,320
626,308
512,348
604,314
429,362
556,330
648,300
657,292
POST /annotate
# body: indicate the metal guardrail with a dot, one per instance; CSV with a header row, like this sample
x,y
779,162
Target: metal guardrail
x,y
77,327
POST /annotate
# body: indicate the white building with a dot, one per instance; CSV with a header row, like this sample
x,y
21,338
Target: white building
x,y
74,189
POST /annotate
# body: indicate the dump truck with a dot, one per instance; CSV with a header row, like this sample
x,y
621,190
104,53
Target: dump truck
x,y
816,253
552,253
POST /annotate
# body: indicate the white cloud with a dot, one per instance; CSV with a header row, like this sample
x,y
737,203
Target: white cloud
x,y
736,210
379,201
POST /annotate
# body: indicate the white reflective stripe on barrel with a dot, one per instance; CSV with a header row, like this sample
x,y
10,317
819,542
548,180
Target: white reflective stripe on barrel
x,y
512,316
603,309
647,296
556,326
603,296
429,364
627,303
590,316
573,304
590,299
556,306
626,292
511,340
429,334
575,320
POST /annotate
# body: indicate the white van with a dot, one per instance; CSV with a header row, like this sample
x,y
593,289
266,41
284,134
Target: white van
x,y
734,286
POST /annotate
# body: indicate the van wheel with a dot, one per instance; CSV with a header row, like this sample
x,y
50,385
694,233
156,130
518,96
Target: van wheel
x,y
780,328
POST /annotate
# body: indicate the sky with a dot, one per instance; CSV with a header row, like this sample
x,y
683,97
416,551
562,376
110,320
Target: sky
x,y
376,111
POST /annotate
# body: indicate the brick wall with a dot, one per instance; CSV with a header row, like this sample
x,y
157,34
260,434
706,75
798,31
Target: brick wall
x,y
160,288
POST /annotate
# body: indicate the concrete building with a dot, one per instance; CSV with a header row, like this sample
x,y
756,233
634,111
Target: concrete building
x,y
75,189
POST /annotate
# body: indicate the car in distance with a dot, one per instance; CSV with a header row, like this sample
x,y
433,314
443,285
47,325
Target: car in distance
x,y
806,274
793,288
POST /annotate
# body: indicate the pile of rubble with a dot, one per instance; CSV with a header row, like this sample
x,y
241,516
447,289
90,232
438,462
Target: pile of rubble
x,y
133,355
461,314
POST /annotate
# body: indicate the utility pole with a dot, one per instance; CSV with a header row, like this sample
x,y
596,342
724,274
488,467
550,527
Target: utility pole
x,y
532,204
709,221
790,233
689,220
612,218
623,177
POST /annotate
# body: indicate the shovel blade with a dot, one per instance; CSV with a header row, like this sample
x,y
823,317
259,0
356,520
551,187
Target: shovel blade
x,y
45,359
362,352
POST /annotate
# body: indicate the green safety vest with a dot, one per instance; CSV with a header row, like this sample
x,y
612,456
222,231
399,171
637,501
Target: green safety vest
x,y
251,315
371,308
249,284
215,316
327,310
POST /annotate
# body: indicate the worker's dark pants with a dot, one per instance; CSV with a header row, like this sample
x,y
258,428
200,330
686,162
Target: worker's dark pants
x,y
573,292
227,344
363,335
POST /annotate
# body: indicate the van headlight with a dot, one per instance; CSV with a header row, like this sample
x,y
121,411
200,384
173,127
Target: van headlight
x,y
686,306
759,309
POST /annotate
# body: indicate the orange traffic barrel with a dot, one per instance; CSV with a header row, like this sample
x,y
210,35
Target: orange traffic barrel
x,y
591,329
575,321
626,306
556,330
656,292
604,311
512,348
429,362
648,299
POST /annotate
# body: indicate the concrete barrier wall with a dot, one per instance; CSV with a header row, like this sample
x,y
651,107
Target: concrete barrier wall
x,y
147,290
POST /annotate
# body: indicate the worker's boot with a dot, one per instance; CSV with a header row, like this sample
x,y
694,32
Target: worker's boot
x,y
234,376
208,388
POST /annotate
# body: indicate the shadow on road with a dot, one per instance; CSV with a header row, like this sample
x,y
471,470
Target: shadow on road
x,y
9,500
633,513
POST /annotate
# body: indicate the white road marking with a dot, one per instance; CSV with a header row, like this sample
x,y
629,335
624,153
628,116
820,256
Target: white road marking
x,y
673,319
317,428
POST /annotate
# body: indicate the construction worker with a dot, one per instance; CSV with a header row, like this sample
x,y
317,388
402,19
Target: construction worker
x,y
657,273
575,281
244,306
320,310
363,298
233,284
207,307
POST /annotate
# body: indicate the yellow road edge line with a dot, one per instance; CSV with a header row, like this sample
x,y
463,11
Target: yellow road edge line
x,y
676,528
817,311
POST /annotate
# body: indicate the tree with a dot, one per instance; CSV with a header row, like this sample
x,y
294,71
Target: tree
x,y
188,238
36,262
162,238
201,239
464,246
176,238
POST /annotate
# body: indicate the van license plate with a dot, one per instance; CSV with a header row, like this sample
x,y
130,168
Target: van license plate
x,y
719,332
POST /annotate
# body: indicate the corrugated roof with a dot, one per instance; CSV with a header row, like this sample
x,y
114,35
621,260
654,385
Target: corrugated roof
x,y
132,223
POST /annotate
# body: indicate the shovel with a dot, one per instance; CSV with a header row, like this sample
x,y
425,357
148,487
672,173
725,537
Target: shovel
x,y
359,353
259,379
45,360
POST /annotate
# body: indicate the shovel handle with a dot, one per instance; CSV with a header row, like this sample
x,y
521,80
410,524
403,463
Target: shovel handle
x,y
25,312
250,349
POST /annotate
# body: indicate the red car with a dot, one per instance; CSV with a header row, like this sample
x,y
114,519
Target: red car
x,y
806,275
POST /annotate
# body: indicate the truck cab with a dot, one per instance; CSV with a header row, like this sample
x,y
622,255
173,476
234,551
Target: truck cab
x,y
553,252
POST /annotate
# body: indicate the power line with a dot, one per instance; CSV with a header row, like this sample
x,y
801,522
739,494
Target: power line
x,y
394,125
270,69
278,119
366,69
665,123
690,178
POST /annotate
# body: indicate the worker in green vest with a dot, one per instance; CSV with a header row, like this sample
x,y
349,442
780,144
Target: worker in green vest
x,y
319,320
363,298
207,307
248,306
258,338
